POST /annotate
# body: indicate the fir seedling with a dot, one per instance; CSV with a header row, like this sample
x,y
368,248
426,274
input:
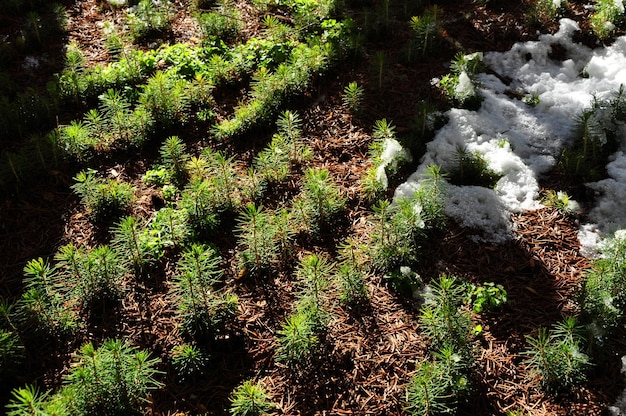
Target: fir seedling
x,y
198,201
43,307
139,247
289,126
76,141
11,353
174,157
459,86
189,361
603,293
438,386
202,309
597,137
351,273
387,155
557,356
166,98
148,19
94,276
222,24
224,176
115,378
427,30
297,339
250,399
471,168
321,202
29,400
444,320
544,12
353,95
256,231
105,199
272,163
314,273
399,230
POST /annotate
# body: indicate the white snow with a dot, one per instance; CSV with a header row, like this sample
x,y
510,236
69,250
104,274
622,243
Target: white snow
x,y
392,154
522,142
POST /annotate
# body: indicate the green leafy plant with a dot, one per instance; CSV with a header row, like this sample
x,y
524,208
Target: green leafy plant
x,y
486,297
532,100
250,399
557,356
104,199
171,226
189,361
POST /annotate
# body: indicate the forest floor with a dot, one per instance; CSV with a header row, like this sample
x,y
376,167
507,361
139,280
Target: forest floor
x,y
369,352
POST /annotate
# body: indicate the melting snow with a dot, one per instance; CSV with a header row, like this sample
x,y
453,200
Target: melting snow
x,y
522,142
